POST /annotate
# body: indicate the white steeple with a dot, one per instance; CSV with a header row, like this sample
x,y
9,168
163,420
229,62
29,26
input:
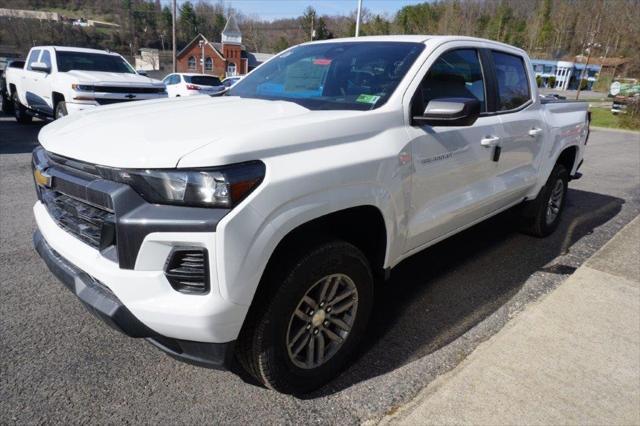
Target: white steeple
x,y
231,33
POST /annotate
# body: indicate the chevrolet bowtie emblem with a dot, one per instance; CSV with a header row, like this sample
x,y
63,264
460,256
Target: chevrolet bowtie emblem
x,y
129,96
42,178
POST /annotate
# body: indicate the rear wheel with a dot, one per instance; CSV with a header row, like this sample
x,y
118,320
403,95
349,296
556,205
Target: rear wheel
x,y
308,330
542,215
20,111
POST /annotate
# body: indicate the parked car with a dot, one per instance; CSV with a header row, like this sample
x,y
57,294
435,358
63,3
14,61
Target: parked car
x,y
264,237
182,84
7,104
230,81
57,81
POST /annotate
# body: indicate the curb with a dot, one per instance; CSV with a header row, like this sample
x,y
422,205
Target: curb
x,y
612,129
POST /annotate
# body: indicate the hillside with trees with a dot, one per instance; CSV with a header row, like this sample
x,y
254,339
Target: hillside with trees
x,y
545,28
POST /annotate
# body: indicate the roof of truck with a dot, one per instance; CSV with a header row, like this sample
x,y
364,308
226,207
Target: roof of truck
x,y
76,49
415,39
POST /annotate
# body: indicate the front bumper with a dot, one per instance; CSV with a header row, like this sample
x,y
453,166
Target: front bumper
x,y
105,305
124,243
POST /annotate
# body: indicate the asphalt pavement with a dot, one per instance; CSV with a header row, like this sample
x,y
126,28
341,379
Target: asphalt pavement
x,y
59,364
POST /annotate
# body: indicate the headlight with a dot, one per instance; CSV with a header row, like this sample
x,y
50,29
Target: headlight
x,y
83,87
216,187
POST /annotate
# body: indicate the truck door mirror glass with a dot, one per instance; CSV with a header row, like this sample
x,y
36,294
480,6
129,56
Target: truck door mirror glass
x,y
450,112
142,72
40,66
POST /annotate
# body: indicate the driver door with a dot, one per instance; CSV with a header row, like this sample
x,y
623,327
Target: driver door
x,y
453,181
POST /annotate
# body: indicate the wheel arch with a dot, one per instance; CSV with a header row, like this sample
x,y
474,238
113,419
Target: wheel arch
x,y
56,97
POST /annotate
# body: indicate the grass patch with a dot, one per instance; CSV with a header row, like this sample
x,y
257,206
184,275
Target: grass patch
x,y
601,117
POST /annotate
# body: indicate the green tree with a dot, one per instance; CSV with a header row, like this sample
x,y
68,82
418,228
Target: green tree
x,y
188,22
545,36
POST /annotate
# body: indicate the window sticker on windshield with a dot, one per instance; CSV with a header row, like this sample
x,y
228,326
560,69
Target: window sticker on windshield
x,y
367,99
322,61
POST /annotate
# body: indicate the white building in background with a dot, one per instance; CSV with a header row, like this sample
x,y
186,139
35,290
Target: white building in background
x,y
148,60
566,73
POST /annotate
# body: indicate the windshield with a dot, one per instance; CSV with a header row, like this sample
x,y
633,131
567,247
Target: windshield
x,y
81,61
202,80
348,75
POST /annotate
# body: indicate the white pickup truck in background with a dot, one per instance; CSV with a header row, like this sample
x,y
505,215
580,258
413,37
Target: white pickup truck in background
x,y
57,81
336,160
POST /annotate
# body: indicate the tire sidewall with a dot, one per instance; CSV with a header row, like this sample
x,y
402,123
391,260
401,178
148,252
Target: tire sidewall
x,y
315,267
59,107
559,172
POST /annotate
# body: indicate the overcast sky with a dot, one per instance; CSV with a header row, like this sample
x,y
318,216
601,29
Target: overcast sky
x,y
274,9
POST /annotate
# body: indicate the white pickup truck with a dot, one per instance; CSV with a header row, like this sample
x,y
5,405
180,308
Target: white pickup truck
x,y
57,81
260,236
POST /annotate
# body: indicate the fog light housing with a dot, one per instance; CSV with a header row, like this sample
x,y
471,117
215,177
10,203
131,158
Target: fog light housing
x,y
187,270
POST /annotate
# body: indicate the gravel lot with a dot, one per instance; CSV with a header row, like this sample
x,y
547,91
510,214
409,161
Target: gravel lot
x,y
58,364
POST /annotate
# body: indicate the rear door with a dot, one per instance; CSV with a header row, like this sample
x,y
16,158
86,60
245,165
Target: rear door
x,y
453,181
523,126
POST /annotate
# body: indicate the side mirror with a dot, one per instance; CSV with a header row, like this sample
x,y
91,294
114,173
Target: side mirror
x,y
40,66
142,72
450,112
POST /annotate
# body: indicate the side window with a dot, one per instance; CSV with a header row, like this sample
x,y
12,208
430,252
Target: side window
x,y
513,83
46,58
166,80
33,57
455,74
175,79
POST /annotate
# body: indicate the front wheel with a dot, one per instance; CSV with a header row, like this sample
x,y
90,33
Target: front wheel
x,y
20,111
542,215
308,330
61,110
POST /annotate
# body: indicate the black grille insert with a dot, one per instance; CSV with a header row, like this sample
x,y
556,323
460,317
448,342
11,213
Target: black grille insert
x,y
187,269
92,225
124,89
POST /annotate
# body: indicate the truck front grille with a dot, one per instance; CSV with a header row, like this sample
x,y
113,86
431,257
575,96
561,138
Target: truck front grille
x,y
118,89
94,226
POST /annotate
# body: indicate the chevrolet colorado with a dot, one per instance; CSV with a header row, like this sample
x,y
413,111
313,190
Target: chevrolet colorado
x,y
56,81
258,236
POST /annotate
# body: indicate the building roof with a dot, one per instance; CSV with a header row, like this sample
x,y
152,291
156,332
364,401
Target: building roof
x,y
254,58
606,62
231,28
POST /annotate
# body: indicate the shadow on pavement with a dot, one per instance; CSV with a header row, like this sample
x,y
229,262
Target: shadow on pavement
x,y
436,296
16,138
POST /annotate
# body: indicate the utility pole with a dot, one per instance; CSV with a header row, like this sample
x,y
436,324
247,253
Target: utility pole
x,y
590,45
201,43
312,33
358,18
173,30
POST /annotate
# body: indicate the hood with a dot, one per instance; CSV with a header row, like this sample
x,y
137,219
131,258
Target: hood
x,y
117,78
157,133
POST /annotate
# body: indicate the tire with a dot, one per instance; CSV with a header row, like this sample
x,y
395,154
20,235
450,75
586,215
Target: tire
x,y
269,344
61,110
7,104
20,112
542,215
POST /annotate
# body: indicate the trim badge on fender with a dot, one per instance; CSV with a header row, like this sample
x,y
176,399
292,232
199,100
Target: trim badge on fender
x,y
129,96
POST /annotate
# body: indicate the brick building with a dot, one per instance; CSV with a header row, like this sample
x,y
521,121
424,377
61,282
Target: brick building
x,y
223,59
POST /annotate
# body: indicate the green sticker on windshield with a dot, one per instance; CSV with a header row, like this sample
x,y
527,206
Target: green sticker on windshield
x,y
367,99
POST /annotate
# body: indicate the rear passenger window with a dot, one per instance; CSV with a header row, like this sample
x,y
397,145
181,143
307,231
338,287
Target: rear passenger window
x,y
513,84
33,57
455,74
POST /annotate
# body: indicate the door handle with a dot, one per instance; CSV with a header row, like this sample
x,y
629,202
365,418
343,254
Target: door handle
x,y
535,131
489,141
